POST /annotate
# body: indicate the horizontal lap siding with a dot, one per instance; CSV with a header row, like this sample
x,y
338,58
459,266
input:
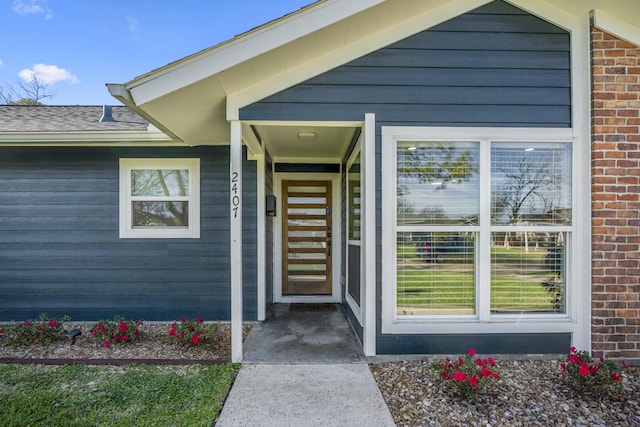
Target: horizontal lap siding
x,y
496,66
60,252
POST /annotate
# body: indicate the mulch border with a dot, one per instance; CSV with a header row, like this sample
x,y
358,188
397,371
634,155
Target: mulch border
x,y
109,362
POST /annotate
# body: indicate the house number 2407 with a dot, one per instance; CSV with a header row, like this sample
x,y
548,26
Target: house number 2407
x,y
235,200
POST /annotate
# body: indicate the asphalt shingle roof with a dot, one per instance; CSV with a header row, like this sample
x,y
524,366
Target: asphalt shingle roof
x,y
67,118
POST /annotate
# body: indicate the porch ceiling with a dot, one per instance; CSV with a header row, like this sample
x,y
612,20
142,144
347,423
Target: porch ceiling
x,y
299,143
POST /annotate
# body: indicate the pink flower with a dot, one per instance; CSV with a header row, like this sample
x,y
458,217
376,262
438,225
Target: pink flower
x,y
53,323
473,382
195,339
563,366
28,324
486,372
100,326
583,371
491,361
459,376
172,331
107,343
40,327
1,331
471,352
199,320
616,377
137,333
572,349
123,327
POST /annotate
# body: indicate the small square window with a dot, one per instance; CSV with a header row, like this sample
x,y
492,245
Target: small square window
x,y
159,198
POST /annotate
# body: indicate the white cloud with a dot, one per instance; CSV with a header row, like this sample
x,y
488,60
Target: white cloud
x,y
133,26
1,63
47,74
32,7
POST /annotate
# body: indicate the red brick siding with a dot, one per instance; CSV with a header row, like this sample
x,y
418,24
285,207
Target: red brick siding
x,y
615,168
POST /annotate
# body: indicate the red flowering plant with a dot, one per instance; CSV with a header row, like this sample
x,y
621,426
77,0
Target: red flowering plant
x,y
468,375
116,331
192,331
43,331
603,377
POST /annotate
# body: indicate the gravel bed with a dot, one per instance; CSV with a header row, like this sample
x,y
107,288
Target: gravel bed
x,y
530,393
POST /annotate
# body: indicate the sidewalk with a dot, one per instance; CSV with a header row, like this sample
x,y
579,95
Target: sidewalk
x,y
304,368
305,395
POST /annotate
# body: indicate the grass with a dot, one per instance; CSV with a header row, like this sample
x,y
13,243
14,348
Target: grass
x,y
515,287
140,395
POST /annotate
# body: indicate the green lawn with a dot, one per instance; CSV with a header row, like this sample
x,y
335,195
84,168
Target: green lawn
x,y
452,290
135,395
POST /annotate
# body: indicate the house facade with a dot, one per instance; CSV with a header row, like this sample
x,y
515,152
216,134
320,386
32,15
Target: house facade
x,y
461,174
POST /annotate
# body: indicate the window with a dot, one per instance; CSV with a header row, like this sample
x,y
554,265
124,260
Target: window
x,y
159,198
480,228
354,228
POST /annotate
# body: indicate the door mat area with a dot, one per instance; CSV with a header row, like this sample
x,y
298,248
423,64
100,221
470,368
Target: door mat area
x,y
312,307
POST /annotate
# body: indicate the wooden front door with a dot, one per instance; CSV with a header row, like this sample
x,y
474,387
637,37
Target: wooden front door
x,y
306,237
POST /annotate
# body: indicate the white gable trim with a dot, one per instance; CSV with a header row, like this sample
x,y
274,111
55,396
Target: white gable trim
x,y
616,27
242,48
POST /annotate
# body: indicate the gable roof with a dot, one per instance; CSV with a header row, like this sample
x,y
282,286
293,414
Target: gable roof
x,y
194,97
49,118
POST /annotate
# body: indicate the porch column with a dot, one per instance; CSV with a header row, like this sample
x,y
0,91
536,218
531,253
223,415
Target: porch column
x,y
235,204
368,232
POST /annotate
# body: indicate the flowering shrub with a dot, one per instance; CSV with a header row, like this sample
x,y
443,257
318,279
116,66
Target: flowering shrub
x,y
116,331
468,375
192,331
44,331
603,377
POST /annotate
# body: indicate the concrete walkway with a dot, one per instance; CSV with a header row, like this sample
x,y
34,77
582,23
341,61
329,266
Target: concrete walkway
x,y
304,368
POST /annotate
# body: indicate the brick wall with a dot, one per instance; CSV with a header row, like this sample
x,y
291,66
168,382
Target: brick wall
x,y
615,197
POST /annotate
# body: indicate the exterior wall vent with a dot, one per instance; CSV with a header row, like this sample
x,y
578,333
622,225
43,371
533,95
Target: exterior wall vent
x,y
107,114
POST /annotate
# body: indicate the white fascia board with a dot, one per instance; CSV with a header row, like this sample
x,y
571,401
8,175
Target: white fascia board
x,y
378,38
246,46
88,138
550,13
616,27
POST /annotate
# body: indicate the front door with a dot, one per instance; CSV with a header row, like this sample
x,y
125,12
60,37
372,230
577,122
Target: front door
x,y
306,237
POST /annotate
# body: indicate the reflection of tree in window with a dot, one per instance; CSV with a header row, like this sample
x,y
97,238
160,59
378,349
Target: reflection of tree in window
x,y
157,198
528,186
437,182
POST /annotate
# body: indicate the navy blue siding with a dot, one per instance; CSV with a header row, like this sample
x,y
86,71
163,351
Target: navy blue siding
x,y
60,252
495,66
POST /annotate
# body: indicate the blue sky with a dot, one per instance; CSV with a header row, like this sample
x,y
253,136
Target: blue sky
x,y
79,45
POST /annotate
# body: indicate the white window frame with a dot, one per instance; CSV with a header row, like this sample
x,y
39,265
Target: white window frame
x,y
483,321
127,231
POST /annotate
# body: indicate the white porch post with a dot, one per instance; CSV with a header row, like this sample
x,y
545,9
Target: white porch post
x,y
235,205
368,218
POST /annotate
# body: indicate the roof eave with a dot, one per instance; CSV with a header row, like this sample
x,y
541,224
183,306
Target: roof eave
x,y
92,138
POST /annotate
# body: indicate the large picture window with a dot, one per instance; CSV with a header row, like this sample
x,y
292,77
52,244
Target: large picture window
x,y
481,227
159,198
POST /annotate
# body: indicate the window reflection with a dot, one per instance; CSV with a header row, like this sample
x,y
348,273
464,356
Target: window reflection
x,y
437,183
